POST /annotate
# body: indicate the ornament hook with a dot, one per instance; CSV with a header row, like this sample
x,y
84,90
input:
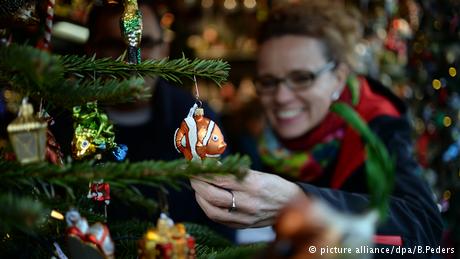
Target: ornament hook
x,y
197,93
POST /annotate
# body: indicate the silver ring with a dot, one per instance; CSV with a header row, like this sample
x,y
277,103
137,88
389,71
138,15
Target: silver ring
x,y
233,207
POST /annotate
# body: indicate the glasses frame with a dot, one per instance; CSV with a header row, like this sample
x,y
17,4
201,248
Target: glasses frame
x,y
288,81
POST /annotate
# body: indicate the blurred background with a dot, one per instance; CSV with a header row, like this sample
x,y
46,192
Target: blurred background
x,y
412,46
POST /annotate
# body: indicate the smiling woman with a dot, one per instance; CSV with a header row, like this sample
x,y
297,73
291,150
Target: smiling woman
x,y
306,64
297,105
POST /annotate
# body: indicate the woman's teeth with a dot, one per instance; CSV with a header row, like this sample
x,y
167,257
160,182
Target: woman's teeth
x,y
288,114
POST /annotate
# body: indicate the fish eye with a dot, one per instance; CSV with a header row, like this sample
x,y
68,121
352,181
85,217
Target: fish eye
x,y
84,144
215,138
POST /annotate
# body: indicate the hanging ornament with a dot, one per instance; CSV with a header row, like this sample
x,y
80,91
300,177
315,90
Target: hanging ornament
x,y
399,32
94,134
28,135
87,242
100,192
53,153
167,240
131,27
199,137
45,42
53,149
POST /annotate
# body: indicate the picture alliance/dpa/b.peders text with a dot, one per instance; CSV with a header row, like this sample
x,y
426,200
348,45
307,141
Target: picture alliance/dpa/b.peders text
x,y
384,250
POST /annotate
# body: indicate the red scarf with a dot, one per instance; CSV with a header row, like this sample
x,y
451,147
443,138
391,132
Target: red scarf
x,y
351,154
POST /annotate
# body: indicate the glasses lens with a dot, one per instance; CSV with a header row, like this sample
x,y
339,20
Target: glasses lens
x,y
300,80
296,80
267,84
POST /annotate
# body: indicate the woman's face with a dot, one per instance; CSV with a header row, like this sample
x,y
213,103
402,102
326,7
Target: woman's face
x,y
295,83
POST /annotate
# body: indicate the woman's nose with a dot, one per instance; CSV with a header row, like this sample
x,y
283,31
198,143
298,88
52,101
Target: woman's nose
x,y
283,93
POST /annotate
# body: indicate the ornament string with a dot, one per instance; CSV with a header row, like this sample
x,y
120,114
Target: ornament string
x,y
163,202
197,93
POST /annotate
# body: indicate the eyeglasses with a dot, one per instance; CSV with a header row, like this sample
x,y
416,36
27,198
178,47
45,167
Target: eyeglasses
x,y
296,80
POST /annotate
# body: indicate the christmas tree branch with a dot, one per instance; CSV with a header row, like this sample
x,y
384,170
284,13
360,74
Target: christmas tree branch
x,y
205,236
147,172
106,92
33,72
19,213
242,251
173,70
45,182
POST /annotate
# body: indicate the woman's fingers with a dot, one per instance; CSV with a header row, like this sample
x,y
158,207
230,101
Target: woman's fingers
x,y
214,195
223,198
227,181
222,215
230,182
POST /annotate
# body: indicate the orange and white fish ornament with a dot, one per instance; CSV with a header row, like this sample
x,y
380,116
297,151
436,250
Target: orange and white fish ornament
x,y
199,137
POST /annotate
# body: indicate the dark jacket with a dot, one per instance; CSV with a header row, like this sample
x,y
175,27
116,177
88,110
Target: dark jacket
x,y
413,214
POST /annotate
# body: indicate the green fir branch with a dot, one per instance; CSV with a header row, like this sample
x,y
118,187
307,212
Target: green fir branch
x,y
105,92
205,236
38,180
33,72
29,70
72,179
126,235
151,173
240,252
20,213
173,70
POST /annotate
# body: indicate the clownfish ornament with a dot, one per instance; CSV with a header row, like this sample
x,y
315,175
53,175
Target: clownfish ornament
x,y
199,137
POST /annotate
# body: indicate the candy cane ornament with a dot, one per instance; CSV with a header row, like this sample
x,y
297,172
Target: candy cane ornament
x,y
45,42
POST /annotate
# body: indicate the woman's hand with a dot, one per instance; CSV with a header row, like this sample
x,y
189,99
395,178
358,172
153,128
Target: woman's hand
x,y
258,198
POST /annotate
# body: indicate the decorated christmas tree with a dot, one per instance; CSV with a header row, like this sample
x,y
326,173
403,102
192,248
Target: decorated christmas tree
x,y
39,184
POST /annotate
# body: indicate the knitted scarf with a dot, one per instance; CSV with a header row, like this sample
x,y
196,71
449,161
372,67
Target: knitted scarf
x,y
306,158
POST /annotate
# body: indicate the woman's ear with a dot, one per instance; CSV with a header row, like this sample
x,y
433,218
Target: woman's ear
x,y
341,72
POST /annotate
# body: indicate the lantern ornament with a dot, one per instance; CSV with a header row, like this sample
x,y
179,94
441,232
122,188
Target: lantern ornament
x,y
28,135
